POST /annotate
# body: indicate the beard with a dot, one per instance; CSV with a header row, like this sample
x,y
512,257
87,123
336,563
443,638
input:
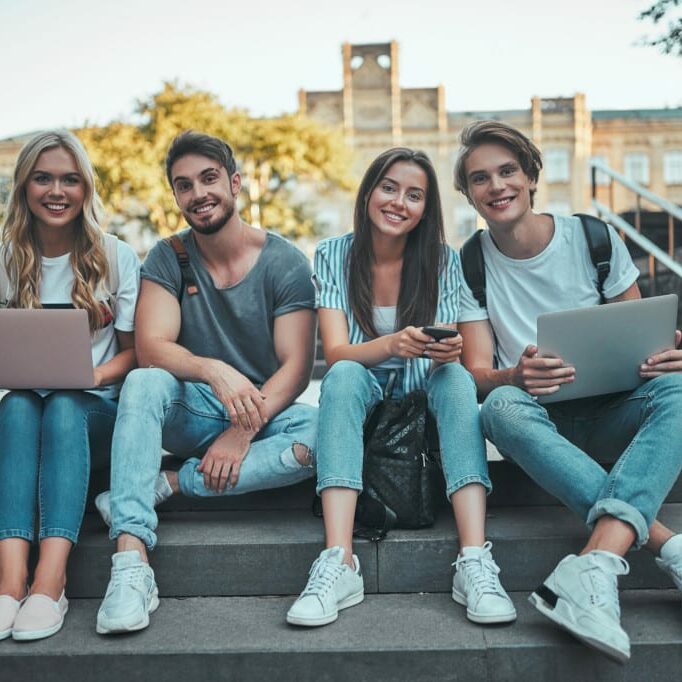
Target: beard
x,y
213,226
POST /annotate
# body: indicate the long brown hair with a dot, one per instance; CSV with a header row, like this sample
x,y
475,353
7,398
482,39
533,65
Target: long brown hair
x,y
424,254
21,247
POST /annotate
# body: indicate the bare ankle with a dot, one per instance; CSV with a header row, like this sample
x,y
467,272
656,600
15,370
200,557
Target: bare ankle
x,y
173,482
127,543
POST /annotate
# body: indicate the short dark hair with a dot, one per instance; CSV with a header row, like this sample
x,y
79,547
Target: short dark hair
x,y
496,132
191,142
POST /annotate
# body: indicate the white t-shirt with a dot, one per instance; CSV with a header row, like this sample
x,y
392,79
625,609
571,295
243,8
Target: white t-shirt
x,y
561,277
56,282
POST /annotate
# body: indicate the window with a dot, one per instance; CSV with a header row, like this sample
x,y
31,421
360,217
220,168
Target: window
x,y
636,167
465,220
672,168
557,165
602,178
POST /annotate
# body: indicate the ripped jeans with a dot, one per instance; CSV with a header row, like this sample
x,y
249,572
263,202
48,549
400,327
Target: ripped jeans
x,y
157,411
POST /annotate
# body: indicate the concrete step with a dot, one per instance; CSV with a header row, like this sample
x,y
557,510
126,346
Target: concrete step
x,y
392,638
511,487
237,553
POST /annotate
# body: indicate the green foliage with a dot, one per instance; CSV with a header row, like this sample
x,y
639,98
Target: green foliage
x,y
670,42
275,157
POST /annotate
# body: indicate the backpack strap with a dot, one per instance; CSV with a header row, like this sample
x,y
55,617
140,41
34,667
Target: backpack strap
x,y
188,282
473,267
599,244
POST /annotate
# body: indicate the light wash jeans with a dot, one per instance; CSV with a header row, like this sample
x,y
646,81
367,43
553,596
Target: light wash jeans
x,y
349,391
46,447
555,446
157,410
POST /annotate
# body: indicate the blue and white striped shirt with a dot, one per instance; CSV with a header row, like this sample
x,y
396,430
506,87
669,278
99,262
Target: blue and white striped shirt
x,y
331,291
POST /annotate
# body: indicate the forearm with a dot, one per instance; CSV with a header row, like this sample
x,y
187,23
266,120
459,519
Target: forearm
x,y
369,353
115,370
284,386
487,379
177,360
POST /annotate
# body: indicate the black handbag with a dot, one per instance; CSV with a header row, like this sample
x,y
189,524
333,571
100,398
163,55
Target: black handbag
x,y
401,469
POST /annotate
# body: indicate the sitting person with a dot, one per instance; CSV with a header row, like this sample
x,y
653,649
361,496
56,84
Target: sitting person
x,y
376,288
55,255
538,263
226,340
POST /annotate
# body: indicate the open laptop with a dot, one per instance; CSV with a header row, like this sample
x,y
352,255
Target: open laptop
x,y
45,349
607,343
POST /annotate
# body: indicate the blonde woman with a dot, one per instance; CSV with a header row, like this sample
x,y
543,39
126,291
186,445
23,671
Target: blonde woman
x,y
54,254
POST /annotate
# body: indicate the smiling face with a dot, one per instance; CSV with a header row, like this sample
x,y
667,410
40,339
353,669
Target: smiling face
x,y
497,186
397,203
204,192
55,191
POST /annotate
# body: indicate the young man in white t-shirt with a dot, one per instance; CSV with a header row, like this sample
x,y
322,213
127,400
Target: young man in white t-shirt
x,y
537,263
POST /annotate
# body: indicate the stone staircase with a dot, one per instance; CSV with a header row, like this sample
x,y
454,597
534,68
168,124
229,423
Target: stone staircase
x,y
229,568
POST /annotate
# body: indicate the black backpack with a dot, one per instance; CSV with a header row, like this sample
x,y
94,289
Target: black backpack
x,y
598,242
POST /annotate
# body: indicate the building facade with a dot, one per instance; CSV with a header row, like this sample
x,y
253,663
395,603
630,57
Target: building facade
x,y
376,113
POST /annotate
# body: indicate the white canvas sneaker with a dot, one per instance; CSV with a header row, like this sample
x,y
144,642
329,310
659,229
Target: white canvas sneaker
x,y
670,561
581,595
162,491
332,586
477,586
131,595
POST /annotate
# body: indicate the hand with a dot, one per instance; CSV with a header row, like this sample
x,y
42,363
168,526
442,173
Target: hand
x,y
661,363
445,350
99,377
409,343
541,376
224,458
243,401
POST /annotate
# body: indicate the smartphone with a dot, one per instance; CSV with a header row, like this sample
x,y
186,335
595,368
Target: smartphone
x,y
439,333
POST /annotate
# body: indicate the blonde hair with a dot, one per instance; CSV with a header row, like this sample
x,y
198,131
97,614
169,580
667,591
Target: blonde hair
x,y
22,249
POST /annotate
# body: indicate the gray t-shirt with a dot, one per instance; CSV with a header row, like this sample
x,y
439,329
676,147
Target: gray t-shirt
x,y
236,324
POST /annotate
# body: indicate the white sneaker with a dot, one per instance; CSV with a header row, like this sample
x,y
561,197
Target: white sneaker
x,y
131,595
581,595
476,586
162,491
670,561
332,586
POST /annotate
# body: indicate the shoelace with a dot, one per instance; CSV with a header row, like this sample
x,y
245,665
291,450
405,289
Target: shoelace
x,y
127,575
481,572
605,584
323,574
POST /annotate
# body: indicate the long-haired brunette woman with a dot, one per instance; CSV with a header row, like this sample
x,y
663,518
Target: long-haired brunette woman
x,y
376,289
55,255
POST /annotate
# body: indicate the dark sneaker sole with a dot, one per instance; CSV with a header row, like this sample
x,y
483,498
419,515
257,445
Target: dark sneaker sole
x,y
546,601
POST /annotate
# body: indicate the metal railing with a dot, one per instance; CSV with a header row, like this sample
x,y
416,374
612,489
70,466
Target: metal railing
x,y
634,233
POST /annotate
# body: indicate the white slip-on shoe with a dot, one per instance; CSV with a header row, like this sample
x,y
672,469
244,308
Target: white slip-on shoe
x,y
9,607
477,586
40,616
670,559
581,595
162,491
332,586
131,595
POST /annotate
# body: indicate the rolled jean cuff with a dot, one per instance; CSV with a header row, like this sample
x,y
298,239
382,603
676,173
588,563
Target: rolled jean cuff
x,y
623,512
59,533
338,483
17,533
466,480
140,532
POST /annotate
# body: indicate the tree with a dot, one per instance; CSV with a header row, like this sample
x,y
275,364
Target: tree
x,y
275,156
670,42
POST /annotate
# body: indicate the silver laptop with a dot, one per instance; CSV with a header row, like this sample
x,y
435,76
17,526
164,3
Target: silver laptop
x,y
607,343
45,349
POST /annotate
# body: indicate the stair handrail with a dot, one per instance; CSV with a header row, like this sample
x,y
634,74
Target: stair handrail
x,y
633,232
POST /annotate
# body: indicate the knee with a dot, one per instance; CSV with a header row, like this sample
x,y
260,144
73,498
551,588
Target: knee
x,y
504,404
63,407
667,387
18,406
344,378
145,385
455,381
303,425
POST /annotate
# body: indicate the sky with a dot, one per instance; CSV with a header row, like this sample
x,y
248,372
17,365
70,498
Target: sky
x,y
68,62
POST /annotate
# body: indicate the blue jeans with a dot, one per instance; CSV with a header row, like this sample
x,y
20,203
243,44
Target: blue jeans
x,y
46,447
555,446
349,391
157,410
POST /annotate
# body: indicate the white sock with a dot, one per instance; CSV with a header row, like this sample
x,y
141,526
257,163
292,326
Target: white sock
x,y
162,489
472,551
